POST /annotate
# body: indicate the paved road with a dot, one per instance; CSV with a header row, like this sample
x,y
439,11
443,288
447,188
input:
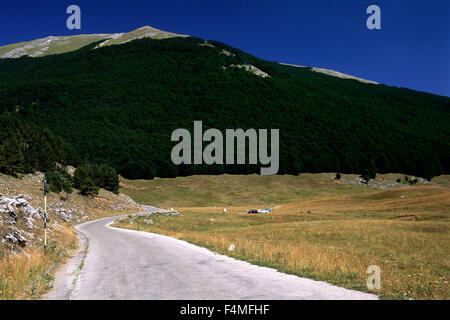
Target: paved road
x,y
126,264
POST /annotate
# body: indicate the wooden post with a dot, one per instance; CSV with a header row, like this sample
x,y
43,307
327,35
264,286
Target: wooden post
x,y
45,215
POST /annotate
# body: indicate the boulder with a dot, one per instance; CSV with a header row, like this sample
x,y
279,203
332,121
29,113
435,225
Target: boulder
x,y
16,238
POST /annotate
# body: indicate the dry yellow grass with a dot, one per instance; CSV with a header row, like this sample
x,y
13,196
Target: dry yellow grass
x,y
28,276
335,236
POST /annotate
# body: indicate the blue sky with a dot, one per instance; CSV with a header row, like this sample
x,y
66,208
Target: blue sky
x,y
411,50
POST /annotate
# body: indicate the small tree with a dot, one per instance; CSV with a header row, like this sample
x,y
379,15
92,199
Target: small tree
x,y
67,187
59,180
88,187
338,176
107,178
81,174
54,181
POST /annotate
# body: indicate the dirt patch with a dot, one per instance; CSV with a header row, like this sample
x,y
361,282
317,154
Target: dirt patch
x,y
101,199
134,187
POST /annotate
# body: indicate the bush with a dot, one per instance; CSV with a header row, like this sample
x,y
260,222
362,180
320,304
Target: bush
x,y
367,175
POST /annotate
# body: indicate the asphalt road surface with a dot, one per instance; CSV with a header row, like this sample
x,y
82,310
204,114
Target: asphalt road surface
x,y
125,264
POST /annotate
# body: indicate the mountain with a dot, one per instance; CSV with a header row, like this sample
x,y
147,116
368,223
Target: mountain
x,y
62,44
119,104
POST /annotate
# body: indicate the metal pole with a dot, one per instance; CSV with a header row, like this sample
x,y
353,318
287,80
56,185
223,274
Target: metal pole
x,y
45,214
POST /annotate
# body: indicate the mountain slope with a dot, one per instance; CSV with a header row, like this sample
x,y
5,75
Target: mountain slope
x,y
333,73
57,45
120,104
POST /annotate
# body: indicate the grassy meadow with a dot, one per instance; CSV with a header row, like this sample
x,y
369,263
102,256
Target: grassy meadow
x,y
320,228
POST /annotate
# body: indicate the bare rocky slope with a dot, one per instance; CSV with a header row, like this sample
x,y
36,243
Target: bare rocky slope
x,y
61,44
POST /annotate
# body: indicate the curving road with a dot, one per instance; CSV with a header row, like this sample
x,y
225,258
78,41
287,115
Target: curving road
x,y
126,264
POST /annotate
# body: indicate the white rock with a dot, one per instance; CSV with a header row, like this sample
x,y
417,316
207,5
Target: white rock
x,y
16,237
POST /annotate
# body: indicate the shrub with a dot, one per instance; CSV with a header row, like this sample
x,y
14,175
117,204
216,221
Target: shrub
x,y
367,175
88,187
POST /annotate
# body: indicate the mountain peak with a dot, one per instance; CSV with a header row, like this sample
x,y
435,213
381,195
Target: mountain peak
x,y
142,32
62,44
145,27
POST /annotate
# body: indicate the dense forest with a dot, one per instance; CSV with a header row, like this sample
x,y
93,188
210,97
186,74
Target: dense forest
x,y
26,148
119,105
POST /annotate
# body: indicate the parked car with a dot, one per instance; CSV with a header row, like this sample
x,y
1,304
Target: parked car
x,y
264,210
